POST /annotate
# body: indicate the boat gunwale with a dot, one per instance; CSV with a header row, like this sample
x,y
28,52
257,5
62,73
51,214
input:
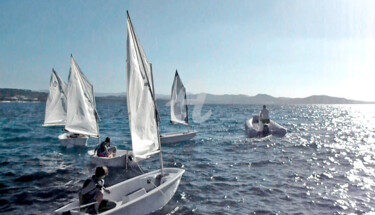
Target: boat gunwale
x,y
178,174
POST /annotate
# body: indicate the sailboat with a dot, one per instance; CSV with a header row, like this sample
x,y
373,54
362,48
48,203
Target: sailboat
x,y
151,191
81,114
179,113
55,114
121,159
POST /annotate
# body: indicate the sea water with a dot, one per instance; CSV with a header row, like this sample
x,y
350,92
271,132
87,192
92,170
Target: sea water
x,y
324,165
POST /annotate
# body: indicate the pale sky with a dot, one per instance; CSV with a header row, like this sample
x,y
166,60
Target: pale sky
x,y
281,48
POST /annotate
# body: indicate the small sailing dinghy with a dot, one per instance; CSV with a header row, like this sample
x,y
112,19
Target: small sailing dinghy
x,y
151,191
81,114
55,114
121,159
179,113
254,128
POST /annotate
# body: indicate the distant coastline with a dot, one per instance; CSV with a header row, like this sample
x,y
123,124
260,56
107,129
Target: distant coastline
x,y
24,95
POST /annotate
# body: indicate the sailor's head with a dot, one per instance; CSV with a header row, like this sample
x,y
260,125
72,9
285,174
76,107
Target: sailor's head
x,y
101,172
107,139
264,106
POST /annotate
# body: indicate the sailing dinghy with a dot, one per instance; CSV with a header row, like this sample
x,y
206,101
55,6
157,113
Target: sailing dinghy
x,y
148,192
179,113
55,114
121,159
81,115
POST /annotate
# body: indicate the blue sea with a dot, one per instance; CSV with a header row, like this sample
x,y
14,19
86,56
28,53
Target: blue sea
x,y
324,165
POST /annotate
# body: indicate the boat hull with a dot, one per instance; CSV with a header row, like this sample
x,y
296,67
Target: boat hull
x,y
149,200
67,141
253,129
119,160
177,137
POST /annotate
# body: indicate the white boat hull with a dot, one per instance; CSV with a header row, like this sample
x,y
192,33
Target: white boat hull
x,y
66,140
118,161
147,199
177,137
253,129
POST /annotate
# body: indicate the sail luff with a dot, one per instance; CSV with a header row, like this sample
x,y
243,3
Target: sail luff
x,y
140,99
142,57
55,112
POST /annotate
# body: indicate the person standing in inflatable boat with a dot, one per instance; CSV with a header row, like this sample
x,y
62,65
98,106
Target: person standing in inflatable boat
x,y
264,117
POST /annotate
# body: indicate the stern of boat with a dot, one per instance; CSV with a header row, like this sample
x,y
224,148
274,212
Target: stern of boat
x,y
69,140
119,160
146,193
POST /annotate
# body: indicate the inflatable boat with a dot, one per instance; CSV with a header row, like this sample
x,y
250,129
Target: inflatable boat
x,y
254,128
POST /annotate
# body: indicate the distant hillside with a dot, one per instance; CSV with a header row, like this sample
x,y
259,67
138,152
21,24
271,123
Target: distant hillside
x,y
22,95
202,98
267,99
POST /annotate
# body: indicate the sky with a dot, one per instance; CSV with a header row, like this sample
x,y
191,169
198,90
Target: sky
x,y
281,48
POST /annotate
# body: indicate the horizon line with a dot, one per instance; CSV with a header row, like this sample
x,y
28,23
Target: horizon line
x,y
46,91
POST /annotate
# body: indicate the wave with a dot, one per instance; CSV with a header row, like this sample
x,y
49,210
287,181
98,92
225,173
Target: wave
x,y
35,177
15,130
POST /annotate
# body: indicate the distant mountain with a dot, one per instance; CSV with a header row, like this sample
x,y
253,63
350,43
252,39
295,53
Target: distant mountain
x,y
19,95
110,94
22,95
123,94
322,99
201,98
267,99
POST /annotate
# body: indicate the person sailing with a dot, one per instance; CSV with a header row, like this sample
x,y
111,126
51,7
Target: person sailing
x,y
263,118
104,149
92,191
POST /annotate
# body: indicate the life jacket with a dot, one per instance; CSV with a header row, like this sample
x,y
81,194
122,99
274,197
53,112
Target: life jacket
x,y
101,148
90,189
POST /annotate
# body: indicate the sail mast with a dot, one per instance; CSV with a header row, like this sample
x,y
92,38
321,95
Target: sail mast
x,y
152,93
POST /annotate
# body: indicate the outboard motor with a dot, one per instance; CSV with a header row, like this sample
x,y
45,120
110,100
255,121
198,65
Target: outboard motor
x,y
266,130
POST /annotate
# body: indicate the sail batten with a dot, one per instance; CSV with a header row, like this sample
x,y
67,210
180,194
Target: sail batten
x,y
82,115
179,109
141,105
55,113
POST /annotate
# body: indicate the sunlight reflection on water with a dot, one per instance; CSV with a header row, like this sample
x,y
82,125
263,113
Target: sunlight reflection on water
x,y
324,165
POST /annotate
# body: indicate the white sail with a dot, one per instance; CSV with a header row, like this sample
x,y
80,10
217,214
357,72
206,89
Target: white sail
x,y
55,113
140,99
81,107
179,108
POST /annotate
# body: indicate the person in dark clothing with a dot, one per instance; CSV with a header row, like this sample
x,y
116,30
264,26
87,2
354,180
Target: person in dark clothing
x,y
92,191
104,149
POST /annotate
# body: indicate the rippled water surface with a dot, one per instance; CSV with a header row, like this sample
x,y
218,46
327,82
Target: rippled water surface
x,y
324,165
